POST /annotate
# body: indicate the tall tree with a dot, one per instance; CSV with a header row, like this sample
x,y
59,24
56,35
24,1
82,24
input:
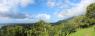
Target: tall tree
x,y
91,13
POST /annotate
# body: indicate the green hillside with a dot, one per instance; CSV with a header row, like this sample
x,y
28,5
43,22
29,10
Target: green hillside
x,y
84,32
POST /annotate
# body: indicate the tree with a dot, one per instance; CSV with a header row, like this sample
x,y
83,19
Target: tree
x,y
91,13
13,31
41,28
58,30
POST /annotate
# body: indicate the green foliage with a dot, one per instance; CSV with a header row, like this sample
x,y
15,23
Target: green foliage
x,y
41,28
12,31
57,30
91,11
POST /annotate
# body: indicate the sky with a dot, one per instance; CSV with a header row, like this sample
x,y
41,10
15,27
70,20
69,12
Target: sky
x,y
29,11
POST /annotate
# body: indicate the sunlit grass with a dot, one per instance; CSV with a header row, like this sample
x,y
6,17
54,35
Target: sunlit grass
x,y
84,32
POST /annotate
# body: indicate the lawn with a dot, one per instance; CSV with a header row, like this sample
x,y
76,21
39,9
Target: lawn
x,y
84,32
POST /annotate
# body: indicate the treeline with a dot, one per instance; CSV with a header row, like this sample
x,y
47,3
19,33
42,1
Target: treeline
x,y
43,28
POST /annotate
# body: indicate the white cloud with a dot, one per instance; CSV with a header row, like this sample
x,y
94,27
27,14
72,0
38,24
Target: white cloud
x,y
62,4
78,9
26,2
2,17
51,4
4,8
10,6
43,17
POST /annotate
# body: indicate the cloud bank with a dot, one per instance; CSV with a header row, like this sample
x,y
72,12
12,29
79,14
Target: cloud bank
x,y
8,8
43,16
76,10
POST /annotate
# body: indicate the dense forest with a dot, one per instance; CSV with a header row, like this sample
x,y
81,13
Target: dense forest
x,y
60,28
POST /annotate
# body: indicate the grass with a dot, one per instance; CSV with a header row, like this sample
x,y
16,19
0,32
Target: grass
x,y
84,32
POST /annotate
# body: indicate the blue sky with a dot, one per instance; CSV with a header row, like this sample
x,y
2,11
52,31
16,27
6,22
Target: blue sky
x,y
26,11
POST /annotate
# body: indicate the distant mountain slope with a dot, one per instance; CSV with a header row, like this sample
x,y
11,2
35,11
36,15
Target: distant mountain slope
x,y
63,21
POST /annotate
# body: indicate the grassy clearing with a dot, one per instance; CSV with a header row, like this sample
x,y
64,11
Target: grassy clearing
x,y
84,32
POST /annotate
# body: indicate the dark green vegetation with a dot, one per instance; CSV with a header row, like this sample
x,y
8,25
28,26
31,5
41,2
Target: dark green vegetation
x,y
77,26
